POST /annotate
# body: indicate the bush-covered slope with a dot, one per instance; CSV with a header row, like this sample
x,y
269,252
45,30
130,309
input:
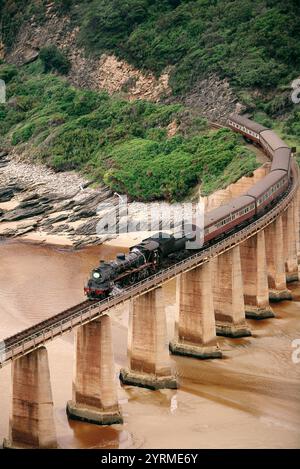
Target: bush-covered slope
x,y
123,143
255,43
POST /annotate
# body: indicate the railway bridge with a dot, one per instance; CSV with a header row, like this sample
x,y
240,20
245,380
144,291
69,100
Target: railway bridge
x,y
217,289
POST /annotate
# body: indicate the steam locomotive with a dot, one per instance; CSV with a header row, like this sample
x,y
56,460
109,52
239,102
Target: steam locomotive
x,y
153,253
143,260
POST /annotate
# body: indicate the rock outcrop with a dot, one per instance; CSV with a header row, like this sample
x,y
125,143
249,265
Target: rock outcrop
x,y
212,97
104,73
59,208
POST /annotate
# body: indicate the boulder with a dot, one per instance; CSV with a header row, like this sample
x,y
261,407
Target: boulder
x,y
6,194
22,213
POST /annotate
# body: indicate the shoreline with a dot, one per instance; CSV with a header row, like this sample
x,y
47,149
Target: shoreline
x,y
40,206
123,241
44,207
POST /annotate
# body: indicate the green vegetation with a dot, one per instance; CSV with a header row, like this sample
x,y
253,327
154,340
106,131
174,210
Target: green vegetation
x,y
254,43
8,72
289,130
54,60
13,14
292,124
148,169
123,143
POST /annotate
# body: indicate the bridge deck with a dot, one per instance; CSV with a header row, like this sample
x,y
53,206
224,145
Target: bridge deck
x,y
27,340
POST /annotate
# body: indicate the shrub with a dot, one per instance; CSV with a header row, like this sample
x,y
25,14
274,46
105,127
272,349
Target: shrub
x,y
292,125
23,134
8,72
63,6
123,143
168,169
263,119
54,60
71,149
252,42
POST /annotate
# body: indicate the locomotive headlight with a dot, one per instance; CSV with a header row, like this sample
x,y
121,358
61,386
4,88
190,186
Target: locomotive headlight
x,y
96,275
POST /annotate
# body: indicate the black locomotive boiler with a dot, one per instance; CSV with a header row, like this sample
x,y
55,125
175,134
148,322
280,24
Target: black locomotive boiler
x,y
143,260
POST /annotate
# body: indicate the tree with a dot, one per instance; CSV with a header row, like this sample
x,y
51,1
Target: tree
x,y
54,59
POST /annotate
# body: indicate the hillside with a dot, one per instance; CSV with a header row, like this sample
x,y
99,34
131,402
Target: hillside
x,y
126,144
195,60
253,43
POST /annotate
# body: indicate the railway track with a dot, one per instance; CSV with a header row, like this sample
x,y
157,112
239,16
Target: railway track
x,y
27,340
48,322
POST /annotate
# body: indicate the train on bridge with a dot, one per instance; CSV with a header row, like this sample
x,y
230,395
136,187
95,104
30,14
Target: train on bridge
x,y
153,253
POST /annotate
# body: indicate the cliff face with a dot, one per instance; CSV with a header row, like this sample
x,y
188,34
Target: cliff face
x,y
107,72
180,49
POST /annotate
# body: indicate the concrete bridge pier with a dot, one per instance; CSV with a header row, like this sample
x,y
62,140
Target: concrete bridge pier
x,y
148,355
255,277
290,243
31,422
94,387
228,295
276,261
195,328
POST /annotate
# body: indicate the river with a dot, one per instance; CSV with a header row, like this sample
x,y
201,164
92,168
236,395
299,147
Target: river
x,y
250,398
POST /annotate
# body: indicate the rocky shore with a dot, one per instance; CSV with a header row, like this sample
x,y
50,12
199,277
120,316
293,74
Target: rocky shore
x,y
42,206
37,204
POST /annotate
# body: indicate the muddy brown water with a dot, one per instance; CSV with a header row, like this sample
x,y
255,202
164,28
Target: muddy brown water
x,y
250,398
